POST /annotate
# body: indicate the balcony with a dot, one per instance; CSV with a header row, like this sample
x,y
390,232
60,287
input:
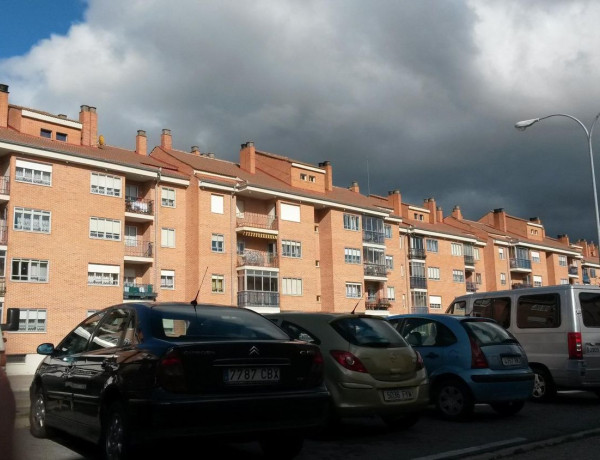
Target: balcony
x,y
371,236
257,259
520,264
139,210
139,291
255,220
471,287
419,310
2,287
418,282
414,253
374,303
375,270
573,271
138,250
521,285
469,260
258,299
3,234
4,187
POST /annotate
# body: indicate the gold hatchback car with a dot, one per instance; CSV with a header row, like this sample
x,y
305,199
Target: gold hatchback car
x,y
370,370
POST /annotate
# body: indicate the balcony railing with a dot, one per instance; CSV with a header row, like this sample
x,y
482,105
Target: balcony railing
x,y
4,185
252,219
471,287
257,258
371,236
3,234
573,270
139,206
418,282
139,291
375,270
469,260
520,263
419,310
258,299
414,253
2,287
521,285
136,247
374,303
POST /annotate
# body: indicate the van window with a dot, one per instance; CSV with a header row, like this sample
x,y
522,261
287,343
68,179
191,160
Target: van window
x,y
538,311
590,308
496,308
457,308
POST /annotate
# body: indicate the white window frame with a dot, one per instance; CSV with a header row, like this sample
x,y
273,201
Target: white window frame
x,y
103,275
217,243
387,230
433,273
432,245
33,319
562,260
216,204
218,284
389,262
537,281
352,255
391,293
33,173
535,256
167,197
102,228
435,302
167,279
105,184
38,271
22,215
502,278
456,249
167,237
290,212
291,286
353,290
351,222
458,276
291,249
501,254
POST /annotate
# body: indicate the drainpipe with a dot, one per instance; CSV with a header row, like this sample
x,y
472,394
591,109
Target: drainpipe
x,y
156,246
233,249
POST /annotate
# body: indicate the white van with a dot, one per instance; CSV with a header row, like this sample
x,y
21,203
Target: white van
x,y
558,326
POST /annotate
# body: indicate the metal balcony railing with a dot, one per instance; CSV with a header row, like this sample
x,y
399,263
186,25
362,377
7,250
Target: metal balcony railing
x,y
252,219
469,260
418,282
374,303
414,253
375,269
520,263
371,236
2,287
257,258
573,270
139,206
471,287
258,299
139,291
136,247
419,310
4,185
3,234
521,285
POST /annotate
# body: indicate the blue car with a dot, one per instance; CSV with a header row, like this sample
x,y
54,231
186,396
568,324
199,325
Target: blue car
x,y
469,360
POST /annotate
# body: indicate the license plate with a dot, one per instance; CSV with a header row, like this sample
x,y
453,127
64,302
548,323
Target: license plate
x,y
589,348
511,360
398,395
243,375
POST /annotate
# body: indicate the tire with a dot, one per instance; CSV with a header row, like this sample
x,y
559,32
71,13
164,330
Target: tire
x,y
543,386
401,422
508,408
453,400
37,416
281,446
115,441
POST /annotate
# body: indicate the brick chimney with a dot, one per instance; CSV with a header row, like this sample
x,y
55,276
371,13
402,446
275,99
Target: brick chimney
x,y
328,175
248,157
89,131
564,239
430,205
3,106
500,219
166,141
395,201
457,213
354,187
196,150
141,143
440,214
535,220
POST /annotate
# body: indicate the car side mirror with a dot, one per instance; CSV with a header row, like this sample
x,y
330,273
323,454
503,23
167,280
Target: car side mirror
x,y
45,349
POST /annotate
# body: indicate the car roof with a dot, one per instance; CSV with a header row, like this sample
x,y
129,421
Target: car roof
x,y
441,317
324,315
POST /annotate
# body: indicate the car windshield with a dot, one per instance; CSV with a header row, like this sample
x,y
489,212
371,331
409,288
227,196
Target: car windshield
x,y
488,332
213,323
369,332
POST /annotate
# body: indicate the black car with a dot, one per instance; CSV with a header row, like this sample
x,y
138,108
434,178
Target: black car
x,y
140,372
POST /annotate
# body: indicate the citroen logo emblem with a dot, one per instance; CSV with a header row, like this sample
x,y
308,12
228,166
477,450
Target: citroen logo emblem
x,y
254,351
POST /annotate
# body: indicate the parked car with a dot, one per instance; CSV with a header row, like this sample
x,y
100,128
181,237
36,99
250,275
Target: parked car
x,y
370,370
468,360
140,372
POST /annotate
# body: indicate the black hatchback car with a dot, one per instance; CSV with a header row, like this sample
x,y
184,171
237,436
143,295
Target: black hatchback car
x,y
140,372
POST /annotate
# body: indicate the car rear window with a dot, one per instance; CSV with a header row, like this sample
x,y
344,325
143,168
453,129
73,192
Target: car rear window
x,y
214,324
590,308
369,332
488,332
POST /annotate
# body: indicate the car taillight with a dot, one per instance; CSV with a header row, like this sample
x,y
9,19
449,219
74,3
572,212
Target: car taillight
x,y
575,345
478,360
348,360
317,370
419,364
171,375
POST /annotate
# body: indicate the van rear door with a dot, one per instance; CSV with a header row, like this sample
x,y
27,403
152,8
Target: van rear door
x,y
590,334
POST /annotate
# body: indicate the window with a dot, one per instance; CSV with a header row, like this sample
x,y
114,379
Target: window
x,y
501,254
387,229
458,276
389,262
46,133
354,290
167,279
352,256
478,278
105,184
351,222
103,275
476,253
29,270
564,281
533,231
432,245
435,302
33,173
241,247
562,261
502,278
312,179
302,176
537,280
535,256
105,229
261,281
592,273
538,311
218,243
291,286
167,197
433,273
61,137
2,266
32,220
218,284
291,248
32,320
216,204
290,212
391,293
167,237
419,299
456,249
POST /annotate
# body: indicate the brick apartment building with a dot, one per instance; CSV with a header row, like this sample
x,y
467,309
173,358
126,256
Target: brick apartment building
x,y
85,225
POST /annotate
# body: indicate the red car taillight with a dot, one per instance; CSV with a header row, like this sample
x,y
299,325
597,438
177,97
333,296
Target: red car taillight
x,y
348,360
478,360
171,375
317,370
575,345
419,364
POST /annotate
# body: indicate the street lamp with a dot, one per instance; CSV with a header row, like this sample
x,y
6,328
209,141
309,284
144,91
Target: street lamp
x,y
523,125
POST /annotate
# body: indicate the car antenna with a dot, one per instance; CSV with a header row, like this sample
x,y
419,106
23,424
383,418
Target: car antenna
x,y
352,312
194,301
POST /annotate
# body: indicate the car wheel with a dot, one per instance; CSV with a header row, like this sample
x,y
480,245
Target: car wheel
x,y
115,432
401,422
281,446
543,386
453,399
508,408
37,416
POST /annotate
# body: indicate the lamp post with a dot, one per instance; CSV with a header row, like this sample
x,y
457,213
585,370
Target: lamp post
x,y
523,125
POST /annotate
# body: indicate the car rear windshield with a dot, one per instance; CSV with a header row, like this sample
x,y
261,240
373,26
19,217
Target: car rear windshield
x,y
488,332
590,308
213,323
369,332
